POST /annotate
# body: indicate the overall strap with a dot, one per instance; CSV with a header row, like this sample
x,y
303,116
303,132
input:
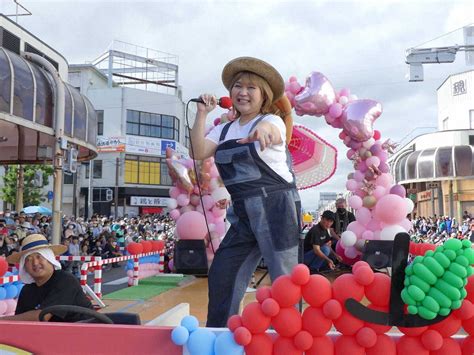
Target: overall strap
x,y
224,132
257,122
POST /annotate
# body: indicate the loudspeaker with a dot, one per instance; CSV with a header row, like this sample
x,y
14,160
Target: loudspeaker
x,y
190,257
378,253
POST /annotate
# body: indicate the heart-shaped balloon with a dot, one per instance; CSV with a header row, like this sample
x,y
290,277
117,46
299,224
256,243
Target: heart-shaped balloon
x,y
317,96
358,118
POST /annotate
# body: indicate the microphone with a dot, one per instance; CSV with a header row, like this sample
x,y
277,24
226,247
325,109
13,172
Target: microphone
x,y
224,102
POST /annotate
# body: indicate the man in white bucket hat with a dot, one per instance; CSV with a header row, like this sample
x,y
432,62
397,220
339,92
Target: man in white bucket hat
x,y
45,283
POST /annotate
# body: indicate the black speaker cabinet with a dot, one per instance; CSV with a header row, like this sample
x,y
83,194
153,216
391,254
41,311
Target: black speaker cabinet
x,y
378,253
190,257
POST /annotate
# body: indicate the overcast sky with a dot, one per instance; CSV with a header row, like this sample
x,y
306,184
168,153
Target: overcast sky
x,y
356,44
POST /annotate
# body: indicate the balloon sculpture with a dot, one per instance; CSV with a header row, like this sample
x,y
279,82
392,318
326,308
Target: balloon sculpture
x,y
380,206
198,203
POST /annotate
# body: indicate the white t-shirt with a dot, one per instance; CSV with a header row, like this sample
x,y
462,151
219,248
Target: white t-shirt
x,y
274,156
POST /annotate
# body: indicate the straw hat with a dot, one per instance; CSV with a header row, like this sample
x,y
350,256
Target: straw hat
x,y
256,66
33,242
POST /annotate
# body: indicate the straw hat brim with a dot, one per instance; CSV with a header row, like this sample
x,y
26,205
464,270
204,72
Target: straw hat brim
x,y
256,66
57,250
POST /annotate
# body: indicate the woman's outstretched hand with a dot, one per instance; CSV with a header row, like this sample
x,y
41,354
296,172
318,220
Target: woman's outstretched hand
x,y
265,133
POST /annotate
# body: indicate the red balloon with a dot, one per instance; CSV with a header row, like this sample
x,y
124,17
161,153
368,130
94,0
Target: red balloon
x,y
135,248
3,266
263,293
332,309
470,288
345,286
384,345
261,344
413,332
348,324
378,328
303,340
234,322
359,264
411,345
347,344
378,292
242,336
431,340
300,274
364,275
285,292
315,322
254,319
270,307
366,337
467,346
285,346
450,346
321,346
157,245
466,311
146,246
448,326
317,291
377,135
468,326
287,322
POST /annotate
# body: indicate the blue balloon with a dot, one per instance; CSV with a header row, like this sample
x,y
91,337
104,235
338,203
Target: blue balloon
x,y
180,335
201,342
11,291
3,293
20,287
190,323
226,345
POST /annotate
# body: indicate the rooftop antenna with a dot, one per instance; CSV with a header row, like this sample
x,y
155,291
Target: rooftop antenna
x,y
17,13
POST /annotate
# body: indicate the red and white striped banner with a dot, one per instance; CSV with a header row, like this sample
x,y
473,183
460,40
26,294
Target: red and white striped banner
x,y
78,258
8,279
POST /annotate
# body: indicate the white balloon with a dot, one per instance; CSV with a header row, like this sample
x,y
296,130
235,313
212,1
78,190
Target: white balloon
x,y
220,193
348,239
389,232
368,143
410,205
172,203
360,244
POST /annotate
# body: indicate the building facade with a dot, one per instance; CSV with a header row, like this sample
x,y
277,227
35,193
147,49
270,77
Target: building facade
x,y
437,169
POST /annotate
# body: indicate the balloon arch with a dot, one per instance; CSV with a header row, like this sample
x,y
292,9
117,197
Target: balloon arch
x,y
437,283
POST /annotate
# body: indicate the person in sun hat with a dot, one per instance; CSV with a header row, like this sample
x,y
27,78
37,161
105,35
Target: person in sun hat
x,y
252,157
45,283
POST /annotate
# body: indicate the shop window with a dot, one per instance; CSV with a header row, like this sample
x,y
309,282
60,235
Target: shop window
x,y
411,165
463,160
444,162
426,164
100,122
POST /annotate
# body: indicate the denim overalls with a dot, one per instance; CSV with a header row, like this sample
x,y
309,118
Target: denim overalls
x,y
265,222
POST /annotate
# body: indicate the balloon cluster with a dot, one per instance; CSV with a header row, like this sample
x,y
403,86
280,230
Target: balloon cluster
x,y
148,265
434,283
8,291
225,117
202,341
201,209
380,206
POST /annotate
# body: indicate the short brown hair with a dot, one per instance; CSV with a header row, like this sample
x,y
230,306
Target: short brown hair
x,y
261,83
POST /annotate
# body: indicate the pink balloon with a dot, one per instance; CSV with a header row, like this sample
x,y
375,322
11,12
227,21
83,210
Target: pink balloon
x,y
358,176
373,161
340,251
330,120
344,92
214,172
356,227
351,185
218,212
187,208
194,200
11,306
319,92
174,192
350,153
175,214
373,225
383,167
361,166
363,215
368,235
191,225
208,202
376,148
391,209
335,110
351,252
358,118
383,156
355,202
378,192
294,87
406,224
220,228
3,307
183,200
398,190
384,180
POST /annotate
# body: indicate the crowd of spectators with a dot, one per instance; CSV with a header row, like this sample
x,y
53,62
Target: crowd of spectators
x,y
97,236
437,229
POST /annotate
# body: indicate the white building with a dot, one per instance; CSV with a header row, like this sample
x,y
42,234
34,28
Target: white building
x,y
140,112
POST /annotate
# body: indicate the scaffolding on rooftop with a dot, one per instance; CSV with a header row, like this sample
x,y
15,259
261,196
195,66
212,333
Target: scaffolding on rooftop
x,y
138,67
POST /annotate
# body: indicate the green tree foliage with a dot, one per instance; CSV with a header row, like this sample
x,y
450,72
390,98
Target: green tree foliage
x,y
32,195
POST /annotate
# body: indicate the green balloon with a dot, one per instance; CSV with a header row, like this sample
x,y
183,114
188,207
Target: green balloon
x,y
469,254
429,253
424,273
453,279
412,309
458,270
440,297
417,260
430,304
442,259
440,249
453,293
407,298
406,283
444,312
451,254
466,244
453,244
462,260
426,313
463,293
433,266
415,280
469,270
456,304
416,293
409,270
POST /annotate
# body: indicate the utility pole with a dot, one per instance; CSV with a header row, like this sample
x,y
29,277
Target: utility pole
x,y
89,195
19,190
117,162
74,194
